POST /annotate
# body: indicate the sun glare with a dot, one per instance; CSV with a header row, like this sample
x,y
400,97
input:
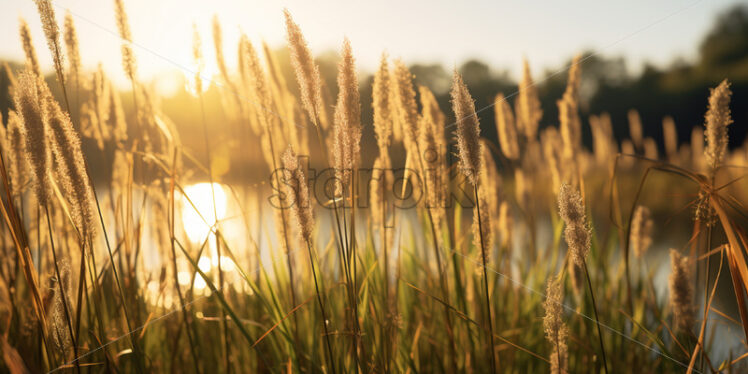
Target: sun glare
x,y
198,213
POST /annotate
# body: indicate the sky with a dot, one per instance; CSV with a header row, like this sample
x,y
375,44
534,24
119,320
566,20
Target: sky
x,y
500,33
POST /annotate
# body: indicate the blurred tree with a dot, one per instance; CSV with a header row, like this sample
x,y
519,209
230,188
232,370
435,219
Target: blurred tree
x,y
727,42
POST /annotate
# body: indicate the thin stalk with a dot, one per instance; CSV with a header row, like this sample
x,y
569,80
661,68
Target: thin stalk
x,y
62,290
225,327
485,280
38,240
597,318
354,177
386,308
321,308
23,253
442,279
706,285
185,314
133,342
340,234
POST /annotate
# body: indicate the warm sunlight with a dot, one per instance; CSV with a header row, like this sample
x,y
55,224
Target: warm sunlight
x,y
319,187
198,209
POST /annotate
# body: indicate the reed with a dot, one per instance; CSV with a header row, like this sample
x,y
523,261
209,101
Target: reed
x,y
72,47
717,120
641,231
680,285
506,129
553,324
123,26
527,105
33,129
307,72
577,234
302,210
468,135
28,47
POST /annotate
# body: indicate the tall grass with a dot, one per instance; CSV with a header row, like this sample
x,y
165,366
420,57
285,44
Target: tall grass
x,y
109,275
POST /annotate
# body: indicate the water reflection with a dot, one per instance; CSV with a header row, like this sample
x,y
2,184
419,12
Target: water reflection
x,y
203,205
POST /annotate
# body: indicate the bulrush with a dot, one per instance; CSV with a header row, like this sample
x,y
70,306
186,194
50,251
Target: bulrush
x,y
717,120
66,148
468,129
681,291
641,231
553,324
506,129
347,130
28,102
298,193
527,107
571,209
128,56
28,47
71,46
307,72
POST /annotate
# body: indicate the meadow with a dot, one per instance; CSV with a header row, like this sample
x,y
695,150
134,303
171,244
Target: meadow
x,y
449,252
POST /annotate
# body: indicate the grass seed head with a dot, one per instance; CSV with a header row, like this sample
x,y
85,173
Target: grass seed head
x,y
28,47
528,110
681,291
128,56
468,129
307,72
347,120
71,46
505,127
299,194
381,105
572,211
33,129
717,120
